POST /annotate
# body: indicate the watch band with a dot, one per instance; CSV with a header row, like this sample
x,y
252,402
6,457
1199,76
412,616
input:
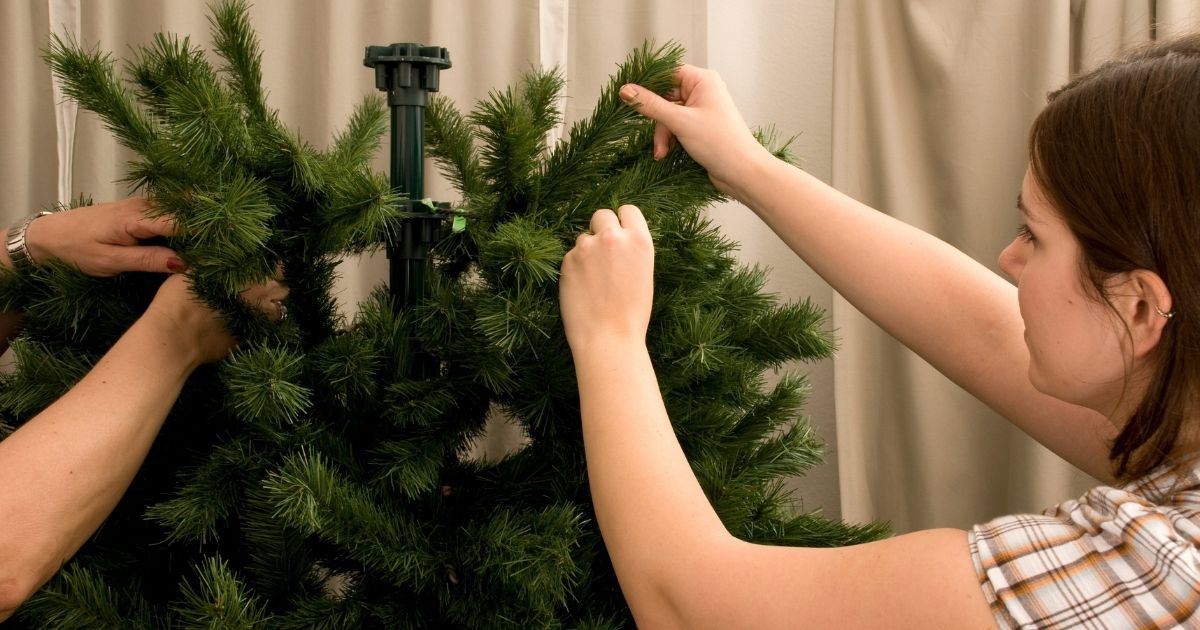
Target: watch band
x,y
17,249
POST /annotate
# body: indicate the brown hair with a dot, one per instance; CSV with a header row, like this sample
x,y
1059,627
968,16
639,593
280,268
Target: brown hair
x,y
1117,152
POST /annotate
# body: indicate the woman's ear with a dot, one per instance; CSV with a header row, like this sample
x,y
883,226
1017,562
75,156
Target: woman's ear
x,y
1145,305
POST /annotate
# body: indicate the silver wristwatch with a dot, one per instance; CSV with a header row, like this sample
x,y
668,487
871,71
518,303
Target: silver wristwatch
x,y
17,250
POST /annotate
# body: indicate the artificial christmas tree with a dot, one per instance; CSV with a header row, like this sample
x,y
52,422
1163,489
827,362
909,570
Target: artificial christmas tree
x,y
318,478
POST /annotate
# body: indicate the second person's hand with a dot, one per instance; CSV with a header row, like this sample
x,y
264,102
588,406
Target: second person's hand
x,y
198,330
104,239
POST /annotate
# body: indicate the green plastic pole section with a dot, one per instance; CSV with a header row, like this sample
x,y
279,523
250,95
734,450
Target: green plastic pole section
x,y
408,72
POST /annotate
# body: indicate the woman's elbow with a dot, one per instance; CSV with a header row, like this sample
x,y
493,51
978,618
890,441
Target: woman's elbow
x,y
684,593
667,599
14,590
22,573
656,612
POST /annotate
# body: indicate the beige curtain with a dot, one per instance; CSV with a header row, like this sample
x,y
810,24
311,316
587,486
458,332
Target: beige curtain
x,y
932,102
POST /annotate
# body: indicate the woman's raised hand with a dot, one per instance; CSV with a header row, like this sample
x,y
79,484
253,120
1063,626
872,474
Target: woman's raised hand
x,y
701,116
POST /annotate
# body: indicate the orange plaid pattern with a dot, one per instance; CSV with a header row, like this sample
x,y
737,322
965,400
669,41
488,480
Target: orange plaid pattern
x,y
1115,558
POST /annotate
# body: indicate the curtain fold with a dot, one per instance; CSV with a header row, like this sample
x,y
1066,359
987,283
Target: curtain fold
x,y
554,46
932,104
64,22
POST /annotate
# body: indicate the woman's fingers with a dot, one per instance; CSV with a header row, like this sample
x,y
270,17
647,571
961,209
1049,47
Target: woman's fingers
x,y
268,298
632,219
604,219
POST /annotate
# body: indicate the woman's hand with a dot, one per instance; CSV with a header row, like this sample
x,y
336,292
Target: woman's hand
x,y
606,287
193,324
105,239
701,115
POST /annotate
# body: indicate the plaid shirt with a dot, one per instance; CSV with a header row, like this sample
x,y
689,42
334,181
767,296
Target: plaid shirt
x,y
1116,558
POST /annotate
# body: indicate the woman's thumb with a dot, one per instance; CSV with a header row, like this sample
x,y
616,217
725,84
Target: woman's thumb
x,y
647,103
656,108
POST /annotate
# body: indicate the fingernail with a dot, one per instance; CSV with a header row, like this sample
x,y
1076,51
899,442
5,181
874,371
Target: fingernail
x,y
176,265
629,94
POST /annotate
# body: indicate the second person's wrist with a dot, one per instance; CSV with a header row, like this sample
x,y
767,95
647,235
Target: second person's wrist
x,y
37,239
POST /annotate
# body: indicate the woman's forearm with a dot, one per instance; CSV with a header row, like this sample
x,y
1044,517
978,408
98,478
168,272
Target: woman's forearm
x,y
948,308
66,468
926,293
657,523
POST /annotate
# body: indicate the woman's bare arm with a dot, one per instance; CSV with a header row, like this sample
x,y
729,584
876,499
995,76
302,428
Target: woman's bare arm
x,y
677,564
948,308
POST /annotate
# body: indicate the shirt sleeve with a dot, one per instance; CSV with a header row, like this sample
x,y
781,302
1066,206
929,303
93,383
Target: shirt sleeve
x,y
1109,560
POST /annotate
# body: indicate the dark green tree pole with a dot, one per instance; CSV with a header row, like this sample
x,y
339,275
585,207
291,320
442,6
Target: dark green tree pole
x,y
408,72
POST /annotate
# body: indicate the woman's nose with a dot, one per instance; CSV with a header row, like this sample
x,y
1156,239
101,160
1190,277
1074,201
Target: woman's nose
x,y
1011,260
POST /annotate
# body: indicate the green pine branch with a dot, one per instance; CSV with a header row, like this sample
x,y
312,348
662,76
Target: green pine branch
x,y
587,154
265,385
209,494
362,136
236,43
522,253
412,466
87,78
77,599
217,599
450,141
166,63
313,498
540,91
509,151
527,555
42,376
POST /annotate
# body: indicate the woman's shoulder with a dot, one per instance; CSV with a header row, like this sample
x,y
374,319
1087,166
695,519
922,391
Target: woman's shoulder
x,y
1125,556
1165,502
1174,484
1161,508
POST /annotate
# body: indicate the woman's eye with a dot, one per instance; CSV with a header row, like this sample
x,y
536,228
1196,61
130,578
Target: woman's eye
x,y
1025,234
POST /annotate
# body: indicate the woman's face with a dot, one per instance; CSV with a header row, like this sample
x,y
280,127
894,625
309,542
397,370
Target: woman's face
x,y
1076,343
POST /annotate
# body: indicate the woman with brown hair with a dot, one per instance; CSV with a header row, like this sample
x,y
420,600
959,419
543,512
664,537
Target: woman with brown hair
x,y
1092,353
